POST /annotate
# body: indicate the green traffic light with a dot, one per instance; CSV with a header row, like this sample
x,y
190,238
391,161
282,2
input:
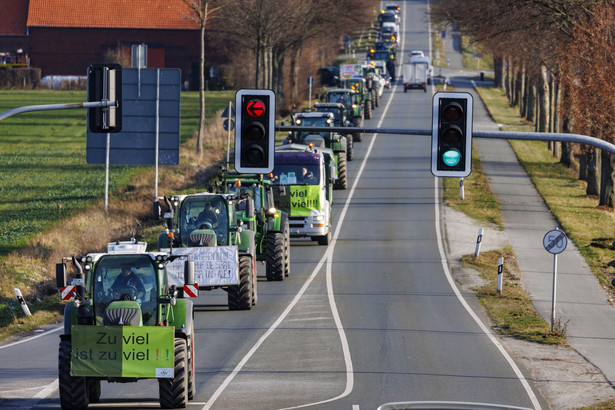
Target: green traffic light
x,y
451,157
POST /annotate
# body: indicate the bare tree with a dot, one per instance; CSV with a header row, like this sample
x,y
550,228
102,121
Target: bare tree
x,y
200,12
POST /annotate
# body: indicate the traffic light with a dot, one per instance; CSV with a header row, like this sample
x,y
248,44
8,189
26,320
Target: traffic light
x,y
105,83
255,131
451,135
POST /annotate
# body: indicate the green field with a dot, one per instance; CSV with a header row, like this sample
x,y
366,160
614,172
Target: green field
x,y
43,173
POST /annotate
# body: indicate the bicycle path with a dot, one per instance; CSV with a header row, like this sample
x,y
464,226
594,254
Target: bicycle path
x,y
581,303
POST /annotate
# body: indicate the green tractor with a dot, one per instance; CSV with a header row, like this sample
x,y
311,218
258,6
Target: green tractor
x,y
332,140
126,323
339,120
373,84
350,99
204,228
358,84
271,225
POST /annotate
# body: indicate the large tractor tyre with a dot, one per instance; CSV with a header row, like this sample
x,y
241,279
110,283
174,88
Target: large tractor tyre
x,y
349,147
275,256
368,110
240,296
376,98
191,366
342,176
286,233
174,392
93,390
254,283
357,122
73,390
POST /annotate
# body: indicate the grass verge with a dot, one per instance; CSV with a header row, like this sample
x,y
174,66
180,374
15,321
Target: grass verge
x,y
511,310
590,227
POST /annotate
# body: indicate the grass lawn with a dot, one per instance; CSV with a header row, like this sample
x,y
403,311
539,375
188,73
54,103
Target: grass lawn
x,y
44,181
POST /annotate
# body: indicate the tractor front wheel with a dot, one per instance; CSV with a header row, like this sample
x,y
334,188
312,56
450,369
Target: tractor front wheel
x,y
240,296
275,256
342,176
73,390
174,392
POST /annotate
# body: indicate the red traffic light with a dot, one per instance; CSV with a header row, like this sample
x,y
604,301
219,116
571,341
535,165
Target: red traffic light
x,y
255,108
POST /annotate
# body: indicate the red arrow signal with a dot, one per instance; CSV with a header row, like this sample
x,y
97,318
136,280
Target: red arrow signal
x,y
255,108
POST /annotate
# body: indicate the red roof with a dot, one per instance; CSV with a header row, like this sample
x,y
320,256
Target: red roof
x,y
13,14
141,14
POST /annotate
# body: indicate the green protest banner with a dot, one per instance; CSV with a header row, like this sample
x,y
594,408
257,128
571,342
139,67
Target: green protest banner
x,y
303,199
123,351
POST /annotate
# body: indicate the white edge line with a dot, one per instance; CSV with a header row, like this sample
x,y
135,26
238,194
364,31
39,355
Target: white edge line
x,y
31,338
461,299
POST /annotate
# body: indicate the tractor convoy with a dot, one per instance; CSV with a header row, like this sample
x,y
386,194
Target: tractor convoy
x,y
130,314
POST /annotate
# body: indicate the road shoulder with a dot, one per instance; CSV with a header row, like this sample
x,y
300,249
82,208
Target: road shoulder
x,y
563,376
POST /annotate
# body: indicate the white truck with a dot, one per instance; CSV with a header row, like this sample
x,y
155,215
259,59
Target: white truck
x,y
417,74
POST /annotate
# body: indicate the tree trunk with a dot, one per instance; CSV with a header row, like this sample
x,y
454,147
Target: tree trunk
x,y
607,180
508,79
498,69
294,75
593,171
201,134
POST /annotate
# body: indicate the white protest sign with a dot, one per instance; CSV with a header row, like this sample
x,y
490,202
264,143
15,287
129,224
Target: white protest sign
x,y
213,266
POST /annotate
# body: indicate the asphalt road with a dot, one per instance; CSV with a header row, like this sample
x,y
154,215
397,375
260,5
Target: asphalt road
x,y
372,318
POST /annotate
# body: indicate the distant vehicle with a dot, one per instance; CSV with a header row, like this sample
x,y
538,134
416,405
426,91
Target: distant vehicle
x,y
394,8
415,75
387,17
416,53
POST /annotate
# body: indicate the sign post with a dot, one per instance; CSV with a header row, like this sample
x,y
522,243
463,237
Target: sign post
x,y
555,242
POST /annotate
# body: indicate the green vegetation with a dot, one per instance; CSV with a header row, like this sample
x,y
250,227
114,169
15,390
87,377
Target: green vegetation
x,y
511,311
478,202
584,222
45,183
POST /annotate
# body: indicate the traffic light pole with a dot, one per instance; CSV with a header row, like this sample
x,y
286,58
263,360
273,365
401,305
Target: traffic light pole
x,y
534,136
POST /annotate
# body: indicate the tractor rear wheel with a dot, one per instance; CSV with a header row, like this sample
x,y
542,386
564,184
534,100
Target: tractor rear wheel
x,y
357,122
368,110
174,392
342,176
73,390
240,296
349,147
93,390
275,256
286,233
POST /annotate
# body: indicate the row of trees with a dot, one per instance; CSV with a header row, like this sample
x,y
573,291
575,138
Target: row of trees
x,y
274,44
555,60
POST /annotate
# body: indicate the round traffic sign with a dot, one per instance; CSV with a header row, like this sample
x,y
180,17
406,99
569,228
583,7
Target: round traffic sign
x,y
555,241
255,108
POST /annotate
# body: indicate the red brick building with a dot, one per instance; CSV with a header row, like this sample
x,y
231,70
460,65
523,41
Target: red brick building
x,y
65,36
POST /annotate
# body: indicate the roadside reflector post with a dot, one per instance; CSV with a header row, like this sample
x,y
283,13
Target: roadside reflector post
x,y
478,241
461,189
500,270
22,302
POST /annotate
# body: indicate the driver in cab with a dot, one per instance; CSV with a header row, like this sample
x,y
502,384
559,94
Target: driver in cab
x,y
128,279
208,215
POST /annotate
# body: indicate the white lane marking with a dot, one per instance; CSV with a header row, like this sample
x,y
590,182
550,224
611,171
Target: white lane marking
x,y
326,258
31,338
329,264
461,299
